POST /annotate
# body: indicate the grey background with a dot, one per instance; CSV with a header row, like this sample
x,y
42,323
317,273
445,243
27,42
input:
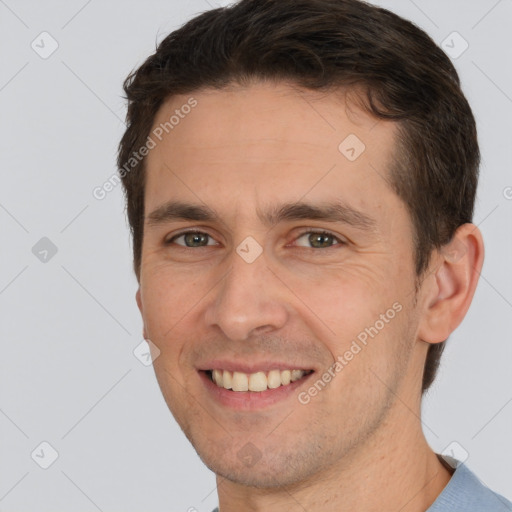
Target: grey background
x,y
69,323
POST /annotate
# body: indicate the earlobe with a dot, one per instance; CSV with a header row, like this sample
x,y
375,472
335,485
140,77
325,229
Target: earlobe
x,y
452,285
138,299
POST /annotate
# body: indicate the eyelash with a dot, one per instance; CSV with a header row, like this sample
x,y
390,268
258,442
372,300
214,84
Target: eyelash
x,y
300,235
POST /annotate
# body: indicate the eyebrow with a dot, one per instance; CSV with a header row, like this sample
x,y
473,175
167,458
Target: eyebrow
x,y
328,212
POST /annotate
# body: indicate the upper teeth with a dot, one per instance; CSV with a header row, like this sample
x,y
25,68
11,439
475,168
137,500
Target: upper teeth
x,y
259,381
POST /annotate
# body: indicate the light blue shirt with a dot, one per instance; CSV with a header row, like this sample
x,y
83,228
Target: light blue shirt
x,y
465,493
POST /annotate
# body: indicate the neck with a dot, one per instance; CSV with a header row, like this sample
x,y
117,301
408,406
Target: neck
x,y
394,469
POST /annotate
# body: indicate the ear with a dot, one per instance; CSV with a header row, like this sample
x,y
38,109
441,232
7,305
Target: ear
x,y
450,288
139,304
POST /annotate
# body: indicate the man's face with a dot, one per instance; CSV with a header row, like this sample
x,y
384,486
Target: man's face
x,y
210,300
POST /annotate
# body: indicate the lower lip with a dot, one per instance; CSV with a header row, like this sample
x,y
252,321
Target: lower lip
x,y
251,400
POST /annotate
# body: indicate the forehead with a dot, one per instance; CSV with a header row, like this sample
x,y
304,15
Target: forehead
x,y
258,144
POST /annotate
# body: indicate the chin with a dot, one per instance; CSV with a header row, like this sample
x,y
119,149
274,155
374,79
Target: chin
x,y
263,477
272,470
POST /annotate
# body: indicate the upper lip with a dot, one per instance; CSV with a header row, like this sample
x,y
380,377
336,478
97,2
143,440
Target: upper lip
x,y
251,367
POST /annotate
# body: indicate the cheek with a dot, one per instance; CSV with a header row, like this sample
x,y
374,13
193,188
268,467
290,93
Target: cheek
x,y
362,322
168,298
344,299
372,359
169,301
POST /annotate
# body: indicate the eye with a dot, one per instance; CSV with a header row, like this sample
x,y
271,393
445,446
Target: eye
x,y
318,240
192,239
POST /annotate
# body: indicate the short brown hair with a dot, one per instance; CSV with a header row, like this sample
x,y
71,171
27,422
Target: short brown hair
x,y
325,45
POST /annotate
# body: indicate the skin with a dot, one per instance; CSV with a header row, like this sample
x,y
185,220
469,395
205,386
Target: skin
x,y
358,444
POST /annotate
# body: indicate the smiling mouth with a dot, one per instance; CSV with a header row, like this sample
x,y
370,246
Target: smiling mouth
x,y
259,381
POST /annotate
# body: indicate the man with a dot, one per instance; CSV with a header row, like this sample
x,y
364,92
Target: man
x,y
300,179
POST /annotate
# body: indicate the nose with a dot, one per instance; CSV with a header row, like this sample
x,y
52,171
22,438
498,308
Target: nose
x,y
249,301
